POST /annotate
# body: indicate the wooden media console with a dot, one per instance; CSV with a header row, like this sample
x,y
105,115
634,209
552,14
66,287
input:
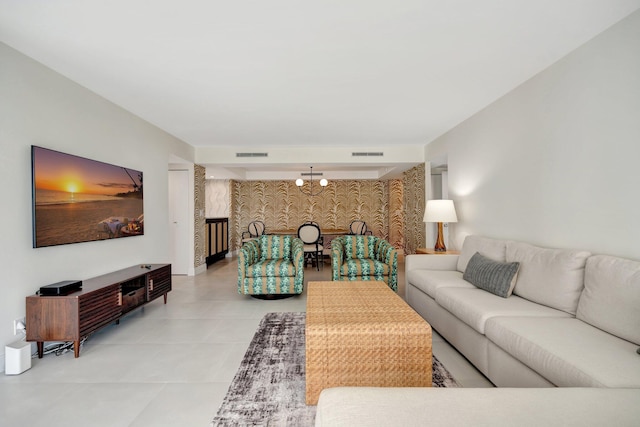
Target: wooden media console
x,y
102,300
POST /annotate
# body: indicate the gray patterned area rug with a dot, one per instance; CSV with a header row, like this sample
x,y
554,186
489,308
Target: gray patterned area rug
x,y
269,387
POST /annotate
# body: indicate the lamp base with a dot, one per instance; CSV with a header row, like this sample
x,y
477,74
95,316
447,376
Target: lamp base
x,y
440,247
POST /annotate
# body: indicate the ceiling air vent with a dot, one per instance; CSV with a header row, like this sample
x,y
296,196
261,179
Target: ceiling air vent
x,y
368,154
252,154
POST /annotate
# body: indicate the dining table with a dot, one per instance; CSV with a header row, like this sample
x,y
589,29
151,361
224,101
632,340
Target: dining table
x,y
327,235
324,231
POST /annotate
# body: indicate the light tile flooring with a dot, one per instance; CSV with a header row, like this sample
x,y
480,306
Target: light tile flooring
x,y
164,365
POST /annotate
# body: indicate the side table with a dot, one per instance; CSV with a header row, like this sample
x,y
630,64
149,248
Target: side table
x,y
429,251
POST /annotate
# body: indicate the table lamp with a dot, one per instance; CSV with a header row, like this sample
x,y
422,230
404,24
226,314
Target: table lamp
x,y
440,211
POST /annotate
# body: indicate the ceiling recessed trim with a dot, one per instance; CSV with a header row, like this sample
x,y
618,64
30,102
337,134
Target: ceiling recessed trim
x,y
252,154
367,154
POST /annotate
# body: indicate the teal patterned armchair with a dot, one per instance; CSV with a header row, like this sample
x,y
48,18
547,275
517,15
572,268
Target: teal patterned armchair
x,y
271,265
364,258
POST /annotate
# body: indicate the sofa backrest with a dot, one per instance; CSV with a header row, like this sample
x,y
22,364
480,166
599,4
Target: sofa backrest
x,y
363,247
551,277
611,297
490,248
275,246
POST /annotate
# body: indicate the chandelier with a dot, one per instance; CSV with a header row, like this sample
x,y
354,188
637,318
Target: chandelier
x,y
310,192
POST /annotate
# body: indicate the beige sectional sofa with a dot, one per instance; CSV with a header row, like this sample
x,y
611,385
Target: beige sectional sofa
x,y
572,320
478,407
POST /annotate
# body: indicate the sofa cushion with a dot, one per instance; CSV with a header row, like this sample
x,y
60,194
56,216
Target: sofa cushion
x,y
490,248
567,351
429,281
611,296
272,267
476,306
553,277
364,267
499,278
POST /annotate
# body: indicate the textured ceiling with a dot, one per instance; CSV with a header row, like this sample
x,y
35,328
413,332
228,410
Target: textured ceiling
x,y
288,72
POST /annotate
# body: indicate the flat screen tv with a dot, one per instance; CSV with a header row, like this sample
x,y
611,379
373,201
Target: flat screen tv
x,y
82,200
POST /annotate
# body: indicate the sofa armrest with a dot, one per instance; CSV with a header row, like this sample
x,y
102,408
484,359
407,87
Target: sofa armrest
x,y
297,255
431,262
418,406
383,251
387,254
337,257
248,254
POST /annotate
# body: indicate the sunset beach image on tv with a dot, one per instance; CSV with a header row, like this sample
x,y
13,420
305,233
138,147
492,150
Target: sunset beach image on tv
x,y
80,200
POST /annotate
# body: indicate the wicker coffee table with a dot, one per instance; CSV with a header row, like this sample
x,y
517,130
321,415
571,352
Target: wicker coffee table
x,y
363,334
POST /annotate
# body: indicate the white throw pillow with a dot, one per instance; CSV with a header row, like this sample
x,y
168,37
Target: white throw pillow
x,y
552,277
490,248
611,297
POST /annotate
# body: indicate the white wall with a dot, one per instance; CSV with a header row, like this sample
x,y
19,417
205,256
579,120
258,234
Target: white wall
x,y
40,107
556,161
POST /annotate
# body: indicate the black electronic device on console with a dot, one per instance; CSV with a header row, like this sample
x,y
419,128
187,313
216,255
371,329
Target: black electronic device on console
x,y
61,288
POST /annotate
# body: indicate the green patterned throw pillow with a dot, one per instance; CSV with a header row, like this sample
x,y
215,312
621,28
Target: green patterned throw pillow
x,y
499,278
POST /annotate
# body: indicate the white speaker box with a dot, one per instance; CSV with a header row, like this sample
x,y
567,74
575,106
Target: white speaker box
x,y
17,357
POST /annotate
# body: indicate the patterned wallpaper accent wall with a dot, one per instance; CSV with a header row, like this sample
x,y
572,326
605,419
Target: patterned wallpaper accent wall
x,y
199,216
281,205
396,213
218,198
414,229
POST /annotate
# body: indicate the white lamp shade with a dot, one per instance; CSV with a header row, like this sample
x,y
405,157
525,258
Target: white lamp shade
x,y
323,182
440,211
299,182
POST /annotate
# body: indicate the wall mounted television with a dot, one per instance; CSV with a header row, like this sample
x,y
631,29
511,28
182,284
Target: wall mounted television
x,y
81,200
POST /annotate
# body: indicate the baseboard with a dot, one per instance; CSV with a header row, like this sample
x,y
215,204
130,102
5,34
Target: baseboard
x,y
200,269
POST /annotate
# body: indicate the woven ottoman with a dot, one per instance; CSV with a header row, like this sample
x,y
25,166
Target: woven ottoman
x,y
361,333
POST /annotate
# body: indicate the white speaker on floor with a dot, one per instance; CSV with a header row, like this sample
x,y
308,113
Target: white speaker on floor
x,y
17,357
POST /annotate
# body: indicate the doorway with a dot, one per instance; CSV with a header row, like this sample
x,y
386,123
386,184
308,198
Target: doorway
x,y
179,220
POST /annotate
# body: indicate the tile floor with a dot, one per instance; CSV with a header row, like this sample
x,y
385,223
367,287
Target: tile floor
x,y
164,365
